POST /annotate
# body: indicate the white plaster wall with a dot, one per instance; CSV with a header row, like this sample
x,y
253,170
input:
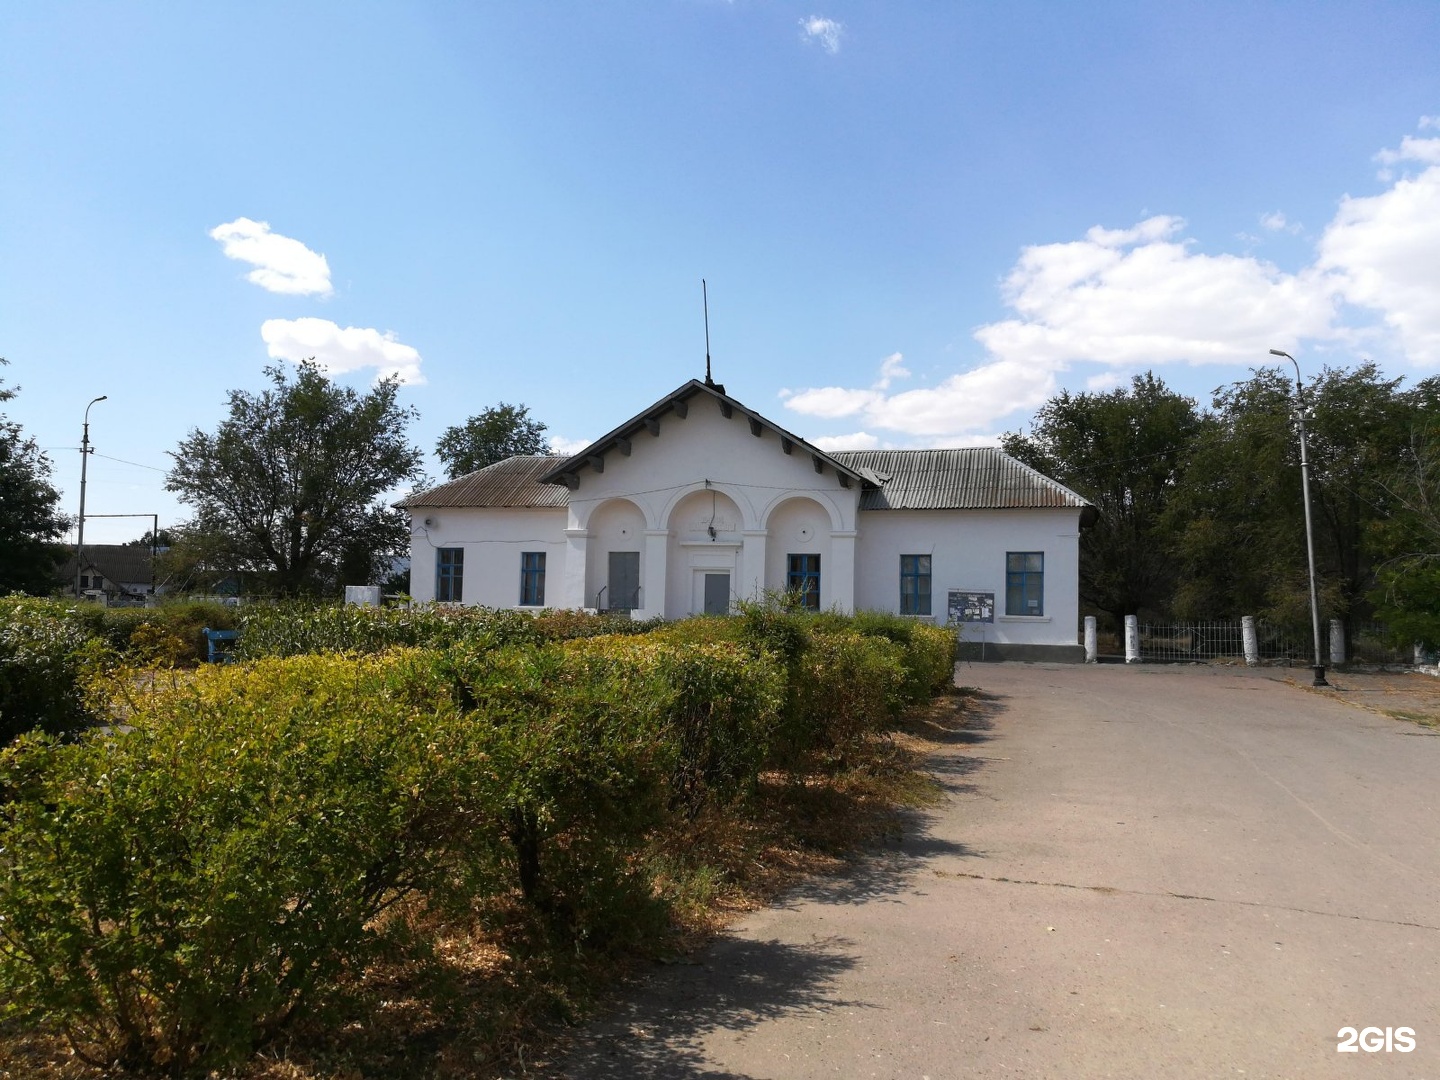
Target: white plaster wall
x,y
753,471
615,525
493,540
967,549
691,551
799,526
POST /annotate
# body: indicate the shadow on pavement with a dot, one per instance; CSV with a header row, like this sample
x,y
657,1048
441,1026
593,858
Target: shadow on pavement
x,y
660,1031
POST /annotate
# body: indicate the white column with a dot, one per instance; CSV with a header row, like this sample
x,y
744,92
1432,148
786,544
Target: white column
x,y
1132,639
572,590
1337,642
1092,644
653,574
1250,640
837,582
751,582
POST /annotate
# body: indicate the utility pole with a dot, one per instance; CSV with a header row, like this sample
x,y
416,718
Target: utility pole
x,y
84,458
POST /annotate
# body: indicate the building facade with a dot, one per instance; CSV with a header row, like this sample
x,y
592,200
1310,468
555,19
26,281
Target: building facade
x,y
698,501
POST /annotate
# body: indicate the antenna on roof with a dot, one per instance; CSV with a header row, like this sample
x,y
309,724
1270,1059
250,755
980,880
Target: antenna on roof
x,y
705,298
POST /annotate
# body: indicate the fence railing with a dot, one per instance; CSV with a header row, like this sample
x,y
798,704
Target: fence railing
x,y
1200,641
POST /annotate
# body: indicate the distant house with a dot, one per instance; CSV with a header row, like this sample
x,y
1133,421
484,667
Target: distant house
x,y
699,501
116,572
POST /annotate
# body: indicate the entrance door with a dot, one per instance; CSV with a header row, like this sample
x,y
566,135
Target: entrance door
x,y
717,594
623,590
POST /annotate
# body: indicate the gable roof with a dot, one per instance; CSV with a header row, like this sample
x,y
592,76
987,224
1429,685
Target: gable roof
x,y
678,403
973,478
127,564
514,482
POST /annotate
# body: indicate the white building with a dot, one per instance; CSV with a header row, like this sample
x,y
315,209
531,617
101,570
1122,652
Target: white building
x,y
699,501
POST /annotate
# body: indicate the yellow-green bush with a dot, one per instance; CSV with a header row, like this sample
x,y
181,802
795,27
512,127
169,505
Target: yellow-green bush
x,y
174,892
45,660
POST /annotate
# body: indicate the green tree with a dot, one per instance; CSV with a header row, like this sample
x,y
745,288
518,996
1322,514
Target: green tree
x,y
499,432
1407,540
31,523
1239,518
288,489
1125,451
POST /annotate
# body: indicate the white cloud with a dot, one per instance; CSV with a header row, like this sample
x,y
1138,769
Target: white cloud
x,y
337,351
859,440
1278,222
282,265
568,447
824,31
1384,249
891,368
1142,297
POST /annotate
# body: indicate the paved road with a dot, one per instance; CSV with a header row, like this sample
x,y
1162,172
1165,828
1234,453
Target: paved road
x,y
1141,872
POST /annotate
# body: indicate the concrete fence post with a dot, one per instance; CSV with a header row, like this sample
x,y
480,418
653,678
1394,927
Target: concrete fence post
x,y
1132,639
1337,643
1092,645
1250,639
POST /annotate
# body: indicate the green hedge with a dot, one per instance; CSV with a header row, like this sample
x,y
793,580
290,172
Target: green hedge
x,y
298,628
175,892
45,659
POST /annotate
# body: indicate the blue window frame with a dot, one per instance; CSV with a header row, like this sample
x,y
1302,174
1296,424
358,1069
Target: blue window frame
x,y
1024,583
449,575
914,584
532,579
804,578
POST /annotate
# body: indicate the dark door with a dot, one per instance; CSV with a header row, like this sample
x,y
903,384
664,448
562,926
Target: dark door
x,y
623,593
717,594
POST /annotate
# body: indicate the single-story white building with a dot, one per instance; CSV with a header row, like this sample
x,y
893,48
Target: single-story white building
x,y
698,501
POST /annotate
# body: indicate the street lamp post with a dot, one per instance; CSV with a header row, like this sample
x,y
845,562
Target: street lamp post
x,y
1319,666
84,458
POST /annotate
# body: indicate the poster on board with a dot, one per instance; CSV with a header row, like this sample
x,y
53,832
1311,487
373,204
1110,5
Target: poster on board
x,y
971,607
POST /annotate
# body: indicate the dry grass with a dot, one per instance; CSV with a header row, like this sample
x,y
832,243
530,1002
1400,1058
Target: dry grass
x,y
485,994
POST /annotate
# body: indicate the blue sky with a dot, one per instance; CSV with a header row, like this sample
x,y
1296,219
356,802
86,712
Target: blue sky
x,y
917,221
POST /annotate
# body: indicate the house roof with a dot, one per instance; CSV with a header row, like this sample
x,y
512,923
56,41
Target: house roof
x,y
974,478
677,403
514,482
120,563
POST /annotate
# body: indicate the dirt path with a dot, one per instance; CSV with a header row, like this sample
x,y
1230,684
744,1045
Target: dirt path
x,y
1141,872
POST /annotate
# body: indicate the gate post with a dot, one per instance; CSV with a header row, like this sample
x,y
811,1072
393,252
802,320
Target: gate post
x,y
1337,643
1092,647
1132,639
1250,639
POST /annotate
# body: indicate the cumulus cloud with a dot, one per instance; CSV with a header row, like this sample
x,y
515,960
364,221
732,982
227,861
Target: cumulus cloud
x,y
1278,222
568,447
1383,249
859,440
825,32
282,264
338,351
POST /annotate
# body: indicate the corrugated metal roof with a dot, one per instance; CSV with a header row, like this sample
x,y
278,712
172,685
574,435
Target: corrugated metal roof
x,y
975,478
514,482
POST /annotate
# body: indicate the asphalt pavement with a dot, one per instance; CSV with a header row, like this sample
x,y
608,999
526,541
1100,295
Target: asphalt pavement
x,y
1147,872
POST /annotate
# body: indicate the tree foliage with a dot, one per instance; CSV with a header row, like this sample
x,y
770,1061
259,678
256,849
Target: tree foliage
x,y
288,489
1126,451
1239,520
31,523
496,433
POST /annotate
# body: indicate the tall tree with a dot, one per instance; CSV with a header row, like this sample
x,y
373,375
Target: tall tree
x,y
1240,516
288,488
30,520
1406,542
499,432
1125,451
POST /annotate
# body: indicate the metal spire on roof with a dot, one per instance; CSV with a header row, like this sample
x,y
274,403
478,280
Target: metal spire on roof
x,y
705,298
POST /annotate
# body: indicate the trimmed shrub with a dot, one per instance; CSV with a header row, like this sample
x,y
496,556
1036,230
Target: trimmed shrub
x,y
175,892
45,661
849,686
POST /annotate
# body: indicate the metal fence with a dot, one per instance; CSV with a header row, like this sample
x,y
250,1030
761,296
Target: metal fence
x,y
1203,641
1200,642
